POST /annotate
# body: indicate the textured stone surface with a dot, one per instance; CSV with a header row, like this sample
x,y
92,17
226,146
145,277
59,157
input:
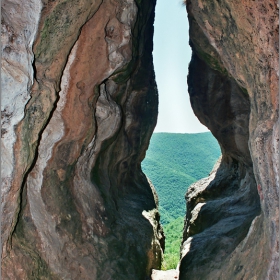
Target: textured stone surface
x,y
171,274
232,221
18,34
76,126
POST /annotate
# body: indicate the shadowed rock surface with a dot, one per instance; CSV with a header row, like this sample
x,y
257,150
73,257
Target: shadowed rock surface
x,y
232,224
79,105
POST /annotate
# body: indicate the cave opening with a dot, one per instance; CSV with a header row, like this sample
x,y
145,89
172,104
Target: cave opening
x,y
181,150
79,111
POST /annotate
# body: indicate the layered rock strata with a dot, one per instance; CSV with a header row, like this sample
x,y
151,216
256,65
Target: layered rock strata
x,y
78,109
232,223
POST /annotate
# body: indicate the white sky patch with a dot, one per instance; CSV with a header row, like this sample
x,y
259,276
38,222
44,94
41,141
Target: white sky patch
x,y
172,55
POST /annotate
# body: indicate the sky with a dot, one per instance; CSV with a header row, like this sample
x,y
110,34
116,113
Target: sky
x,y
172,55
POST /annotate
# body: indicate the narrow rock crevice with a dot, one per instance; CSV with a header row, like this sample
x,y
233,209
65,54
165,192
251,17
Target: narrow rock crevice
x,y
75,202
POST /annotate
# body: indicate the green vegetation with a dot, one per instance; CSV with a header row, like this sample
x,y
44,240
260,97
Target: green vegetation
x,y
173,162
173,231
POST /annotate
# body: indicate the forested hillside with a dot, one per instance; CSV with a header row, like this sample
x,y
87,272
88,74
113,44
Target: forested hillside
x,y
173,162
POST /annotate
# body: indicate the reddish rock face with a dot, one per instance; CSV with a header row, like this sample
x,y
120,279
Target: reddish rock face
x,y
76,204
232,220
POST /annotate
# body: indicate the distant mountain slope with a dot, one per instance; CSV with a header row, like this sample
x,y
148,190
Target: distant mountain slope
x,y
173,162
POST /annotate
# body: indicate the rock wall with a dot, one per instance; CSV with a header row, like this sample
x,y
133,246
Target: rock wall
x,y
232,222
78,109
